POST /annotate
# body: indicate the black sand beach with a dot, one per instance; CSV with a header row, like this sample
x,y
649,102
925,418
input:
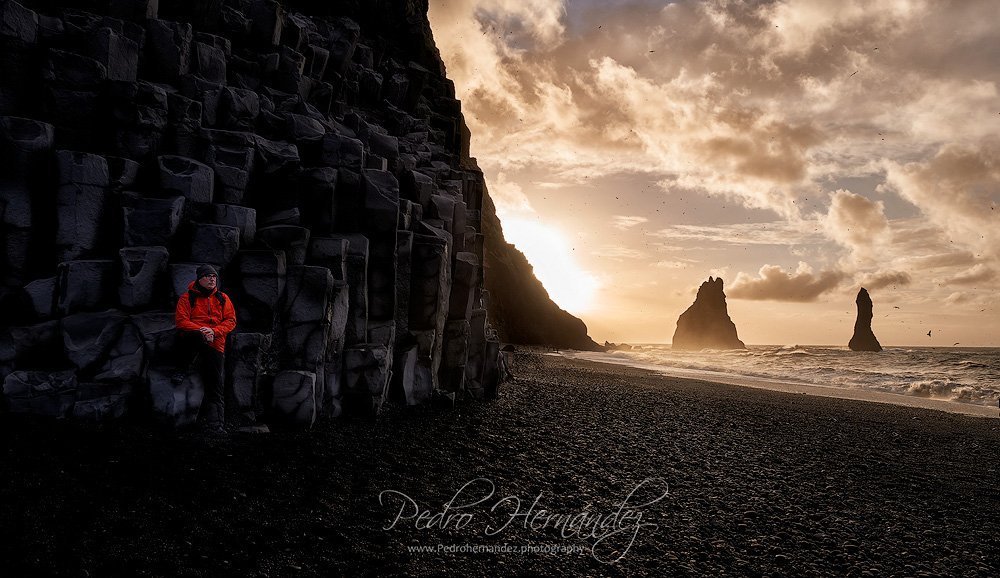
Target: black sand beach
x,y
760,482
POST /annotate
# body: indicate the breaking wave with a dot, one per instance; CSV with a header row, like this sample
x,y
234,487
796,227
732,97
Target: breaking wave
x,y
966,375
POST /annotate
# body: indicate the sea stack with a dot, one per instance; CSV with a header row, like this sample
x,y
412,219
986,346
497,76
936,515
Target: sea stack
x,y
864,339
706,323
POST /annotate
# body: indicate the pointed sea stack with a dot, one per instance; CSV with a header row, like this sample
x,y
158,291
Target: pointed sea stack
x,y
864,339
706,323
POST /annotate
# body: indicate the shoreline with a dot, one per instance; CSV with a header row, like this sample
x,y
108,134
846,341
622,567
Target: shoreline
x,y
830,391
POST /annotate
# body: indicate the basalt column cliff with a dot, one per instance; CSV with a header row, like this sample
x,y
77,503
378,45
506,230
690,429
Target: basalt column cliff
x,y
313,152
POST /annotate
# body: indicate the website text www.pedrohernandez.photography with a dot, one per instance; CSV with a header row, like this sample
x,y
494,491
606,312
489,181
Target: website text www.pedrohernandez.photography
x,y
478,508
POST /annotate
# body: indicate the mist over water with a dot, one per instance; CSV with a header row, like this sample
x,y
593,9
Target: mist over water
x,y
965,375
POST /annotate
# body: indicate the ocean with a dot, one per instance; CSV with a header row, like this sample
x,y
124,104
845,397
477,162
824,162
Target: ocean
x,y
955,374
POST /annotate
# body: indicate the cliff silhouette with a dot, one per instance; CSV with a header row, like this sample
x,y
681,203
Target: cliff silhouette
x,y
524,312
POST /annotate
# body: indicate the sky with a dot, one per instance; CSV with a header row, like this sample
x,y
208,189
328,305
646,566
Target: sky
x,y
799,150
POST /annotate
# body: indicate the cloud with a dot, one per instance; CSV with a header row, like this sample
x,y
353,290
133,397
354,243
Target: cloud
x,y
857,222
541,19
673,264
958,190
549,185
668,248
508,197
618,253
781,161
555,106
948,107
774,284
957,299
934,261
506,21
919,239
889,278
627,222
735,98
919,246
772,233
978,274
797,29
704,139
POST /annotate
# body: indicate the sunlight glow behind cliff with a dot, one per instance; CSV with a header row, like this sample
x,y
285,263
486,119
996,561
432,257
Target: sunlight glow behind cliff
x,y
551,256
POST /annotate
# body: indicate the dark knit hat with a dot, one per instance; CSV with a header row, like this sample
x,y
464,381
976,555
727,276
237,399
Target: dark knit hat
x,y
206,270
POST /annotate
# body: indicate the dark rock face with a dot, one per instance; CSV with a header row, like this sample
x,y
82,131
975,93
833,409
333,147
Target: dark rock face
x,y
864,338
319,159
706,323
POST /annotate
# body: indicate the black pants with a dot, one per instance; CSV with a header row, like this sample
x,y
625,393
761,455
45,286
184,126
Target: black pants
x,y
210,364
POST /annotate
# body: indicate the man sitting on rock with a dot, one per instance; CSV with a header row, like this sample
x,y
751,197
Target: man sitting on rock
x,y
204,317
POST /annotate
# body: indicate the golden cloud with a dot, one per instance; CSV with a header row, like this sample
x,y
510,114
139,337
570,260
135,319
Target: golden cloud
x,y
887,279
772,283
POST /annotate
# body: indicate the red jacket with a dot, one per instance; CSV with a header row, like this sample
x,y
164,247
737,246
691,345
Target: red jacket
x,y
208,311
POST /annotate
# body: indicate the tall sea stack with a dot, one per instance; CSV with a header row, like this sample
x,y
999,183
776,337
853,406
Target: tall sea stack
x,y
864,339
706,323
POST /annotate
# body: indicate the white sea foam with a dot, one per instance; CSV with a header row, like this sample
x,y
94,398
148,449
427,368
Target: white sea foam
x,y
964,375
